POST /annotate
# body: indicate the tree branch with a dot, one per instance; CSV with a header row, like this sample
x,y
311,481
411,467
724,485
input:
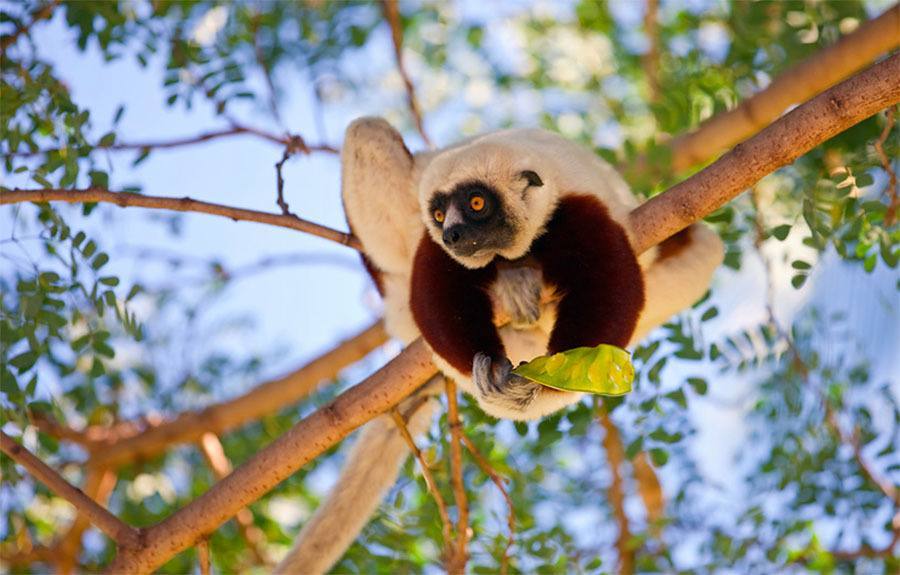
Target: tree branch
x,y
215,457
797,132
887,164
833,111
615,456
236,129
426,474
498,481
185,204
825,68
456,564
392,15
124,535
98,485
262,400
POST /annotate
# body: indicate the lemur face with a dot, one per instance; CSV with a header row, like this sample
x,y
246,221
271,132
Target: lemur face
x,y
472,220
486,200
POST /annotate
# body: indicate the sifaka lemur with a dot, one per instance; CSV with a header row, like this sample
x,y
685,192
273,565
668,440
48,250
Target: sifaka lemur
x,y
519,224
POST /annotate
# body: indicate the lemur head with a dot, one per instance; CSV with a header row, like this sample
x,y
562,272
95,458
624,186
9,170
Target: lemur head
x,y
488,198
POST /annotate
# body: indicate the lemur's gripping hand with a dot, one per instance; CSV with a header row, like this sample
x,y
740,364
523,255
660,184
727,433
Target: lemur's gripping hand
x,y
496,384
518,292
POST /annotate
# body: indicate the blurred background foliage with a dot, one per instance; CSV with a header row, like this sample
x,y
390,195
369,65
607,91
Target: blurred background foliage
x,y
767,427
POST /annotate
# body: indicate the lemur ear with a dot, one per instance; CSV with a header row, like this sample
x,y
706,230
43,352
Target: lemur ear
x,y
532,178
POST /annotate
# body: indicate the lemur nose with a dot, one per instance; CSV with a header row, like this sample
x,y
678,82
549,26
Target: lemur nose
x,y
452,235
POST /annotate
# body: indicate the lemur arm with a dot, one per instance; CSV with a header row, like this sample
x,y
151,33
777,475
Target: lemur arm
x,y
452,307
587,256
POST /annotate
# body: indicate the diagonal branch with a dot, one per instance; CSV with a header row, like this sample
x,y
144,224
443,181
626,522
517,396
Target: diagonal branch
x,y
185,204
262,400
808,125
825,68
124,535
824,116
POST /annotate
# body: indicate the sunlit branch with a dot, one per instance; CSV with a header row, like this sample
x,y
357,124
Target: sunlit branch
x,y
791,136
185,204
124,535
848,55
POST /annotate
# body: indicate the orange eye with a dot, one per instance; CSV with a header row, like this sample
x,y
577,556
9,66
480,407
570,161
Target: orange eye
x,y
438,216
477,203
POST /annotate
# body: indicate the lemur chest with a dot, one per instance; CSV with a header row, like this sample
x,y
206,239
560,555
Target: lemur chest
x,y
517,291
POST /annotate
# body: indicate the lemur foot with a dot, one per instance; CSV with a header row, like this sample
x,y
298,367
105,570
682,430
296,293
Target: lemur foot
x,y
518,292
496,384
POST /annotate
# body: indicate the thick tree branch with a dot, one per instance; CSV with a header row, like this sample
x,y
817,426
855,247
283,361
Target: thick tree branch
x,y
820,71
127,199
833,111
124,535
305,441
808,125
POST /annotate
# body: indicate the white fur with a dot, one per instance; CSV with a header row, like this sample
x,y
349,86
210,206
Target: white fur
x,y
385,195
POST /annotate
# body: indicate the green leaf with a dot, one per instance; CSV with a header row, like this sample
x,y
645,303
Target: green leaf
x,y
100,261
604,370
659,456
781,232
699,385
24,361
111,281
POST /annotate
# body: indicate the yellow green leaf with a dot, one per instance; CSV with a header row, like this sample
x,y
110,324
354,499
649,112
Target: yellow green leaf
x,y
604,370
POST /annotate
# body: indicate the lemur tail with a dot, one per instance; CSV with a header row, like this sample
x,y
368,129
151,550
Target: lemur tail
x,y
371,469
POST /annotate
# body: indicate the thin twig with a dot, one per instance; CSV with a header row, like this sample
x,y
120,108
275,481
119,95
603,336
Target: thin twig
x,y
888,166
650,60
236,129
42,13
392,15
203,556
615,455
214,453
296,145
457,561
124,535
185,204
426,474
489,470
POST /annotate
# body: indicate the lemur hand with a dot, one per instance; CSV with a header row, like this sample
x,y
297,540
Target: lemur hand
x,y
518,292
496,384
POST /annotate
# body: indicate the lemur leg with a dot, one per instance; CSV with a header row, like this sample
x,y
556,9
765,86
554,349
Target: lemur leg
x,y
371,469
679,276
378,193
